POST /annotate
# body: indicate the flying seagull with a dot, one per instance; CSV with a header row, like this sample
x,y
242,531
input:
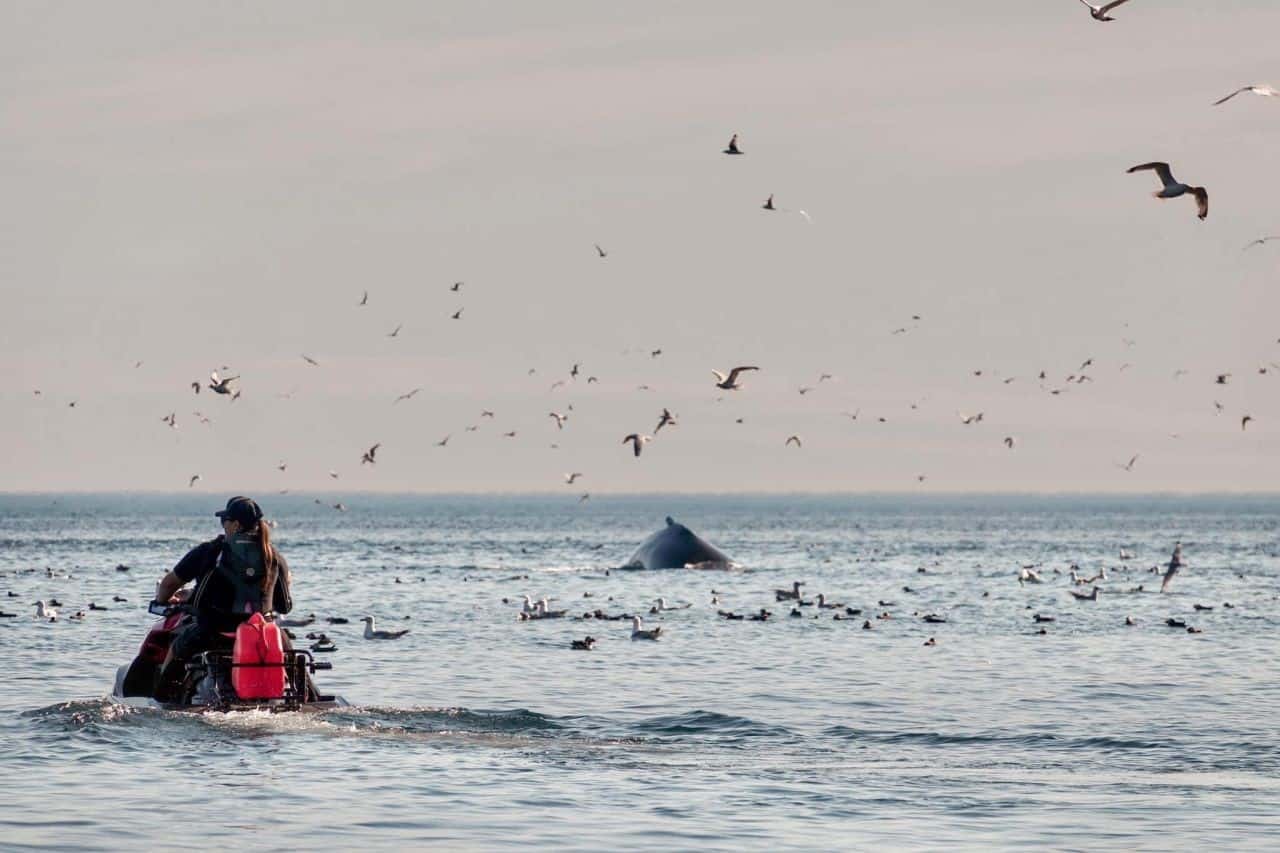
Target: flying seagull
x,y
406,396
1244,422
601,252
457,285
1174,188
1260,241
444,442
397,331
768,203
368,457
192,481
733,146
311,361
1257,89
569,478
730,382
456,315
1099,13
1128,466
1175,563
792,438
665,419
559,419
221,386
364,300
637,441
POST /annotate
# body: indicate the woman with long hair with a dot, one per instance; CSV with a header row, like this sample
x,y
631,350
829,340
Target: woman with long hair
x,y
237,574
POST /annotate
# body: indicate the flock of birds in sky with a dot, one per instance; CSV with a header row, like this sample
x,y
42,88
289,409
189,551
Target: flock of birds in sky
x,y
224,384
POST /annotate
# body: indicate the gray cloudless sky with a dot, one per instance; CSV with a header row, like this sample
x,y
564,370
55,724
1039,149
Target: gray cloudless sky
x,y
198,185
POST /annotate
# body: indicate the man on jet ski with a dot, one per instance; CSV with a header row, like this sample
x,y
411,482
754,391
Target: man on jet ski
x,y
237,574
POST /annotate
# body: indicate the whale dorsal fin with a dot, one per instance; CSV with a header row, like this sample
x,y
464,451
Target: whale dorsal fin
x,y
670,521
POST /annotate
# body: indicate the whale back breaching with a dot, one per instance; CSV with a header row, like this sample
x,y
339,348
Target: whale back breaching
x,y
676,547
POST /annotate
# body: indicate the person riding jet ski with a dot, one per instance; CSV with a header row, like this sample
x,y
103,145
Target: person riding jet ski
x,y
237,574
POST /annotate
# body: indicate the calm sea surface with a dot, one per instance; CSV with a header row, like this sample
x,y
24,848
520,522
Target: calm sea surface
x,y
479,731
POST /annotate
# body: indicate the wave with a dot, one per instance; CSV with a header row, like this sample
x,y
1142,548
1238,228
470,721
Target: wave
x,y
708,723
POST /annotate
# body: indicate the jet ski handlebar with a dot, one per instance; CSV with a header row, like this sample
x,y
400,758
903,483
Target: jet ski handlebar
x,y
160,608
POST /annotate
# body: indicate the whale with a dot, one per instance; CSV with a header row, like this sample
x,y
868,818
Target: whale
x,y
677,547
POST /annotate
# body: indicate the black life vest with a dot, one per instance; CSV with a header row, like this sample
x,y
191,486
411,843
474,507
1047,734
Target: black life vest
x,y
238,562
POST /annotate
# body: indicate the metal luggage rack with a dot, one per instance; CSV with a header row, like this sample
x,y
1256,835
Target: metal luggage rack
x,y
298,663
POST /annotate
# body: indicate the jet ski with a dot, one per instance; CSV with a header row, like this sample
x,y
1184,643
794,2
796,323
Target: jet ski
x,y
257,671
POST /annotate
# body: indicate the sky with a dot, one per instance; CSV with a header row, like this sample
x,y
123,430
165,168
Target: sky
x,y
192,186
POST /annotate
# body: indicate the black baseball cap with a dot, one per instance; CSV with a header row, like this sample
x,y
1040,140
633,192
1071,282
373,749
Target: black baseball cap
x,y
242,509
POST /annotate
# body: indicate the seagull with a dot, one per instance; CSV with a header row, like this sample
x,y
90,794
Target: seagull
x,y
733,146
569,478
333,474
1175,563
406,396
559,418
192,481
1260,241
1099,13
601,252
730,382
665,419
1128,466
970,419
364,300
1257,89
43,612
371,634
792,438
457,285
195,386
397,331
789,594
444,442
456,315
311,361
171,419
638,633
1008,442
368,457
1173,188
1029,576
1222,378
1081,596
221,386
637,441
283,466
1244,422
768,203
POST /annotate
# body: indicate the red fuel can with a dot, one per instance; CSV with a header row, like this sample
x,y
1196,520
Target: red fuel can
x,y
258,658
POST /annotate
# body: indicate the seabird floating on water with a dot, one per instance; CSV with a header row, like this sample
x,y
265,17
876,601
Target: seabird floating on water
x,y
370,633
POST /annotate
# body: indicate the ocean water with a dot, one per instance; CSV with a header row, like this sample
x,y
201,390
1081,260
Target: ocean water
x,y
479,731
